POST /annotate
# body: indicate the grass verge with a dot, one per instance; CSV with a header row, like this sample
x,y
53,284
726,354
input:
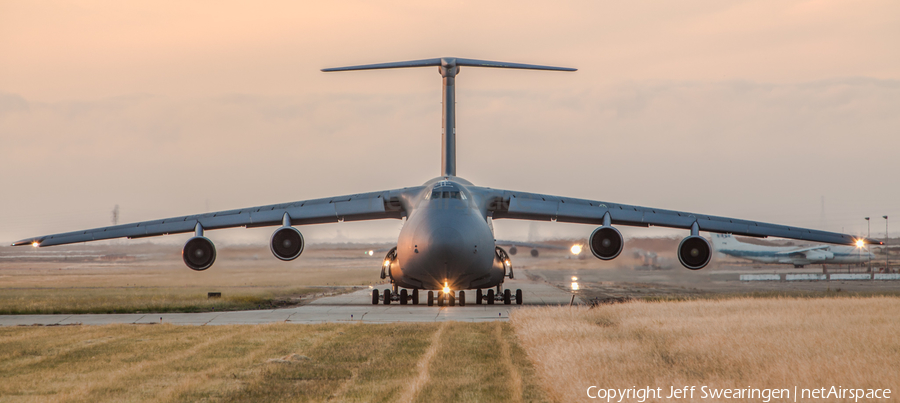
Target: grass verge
x,y
31,301
728,343
266,363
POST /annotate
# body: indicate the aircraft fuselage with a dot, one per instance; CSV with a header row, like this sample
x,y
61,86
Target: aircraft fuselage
x,y
446,241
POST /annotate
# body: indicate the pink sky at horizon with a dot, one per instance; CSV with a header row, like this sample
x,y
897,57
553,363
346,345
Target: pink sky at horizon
x,y
750,109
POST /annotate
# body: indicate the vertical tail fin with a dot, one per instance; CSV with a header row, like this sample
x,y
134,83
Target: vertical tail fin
x,y
449,68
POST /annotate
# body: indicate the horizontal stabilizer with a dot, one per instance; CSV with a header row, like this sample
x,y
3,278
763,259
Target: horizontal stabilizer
x,y
449,62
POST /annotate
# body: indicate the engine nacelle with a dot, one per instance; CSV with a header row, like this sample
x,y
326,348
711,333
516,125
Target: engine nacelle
x,y
606,243
535,253
199,253
694,252
513,250
286,243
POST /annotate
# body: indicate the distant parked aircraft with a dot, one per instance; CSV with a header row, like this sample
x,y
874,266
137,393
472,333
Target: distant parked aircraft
x,y
797,256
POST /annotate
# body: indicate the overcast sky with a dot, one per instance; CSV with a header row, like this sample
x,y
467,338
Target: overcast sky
x,y
747,109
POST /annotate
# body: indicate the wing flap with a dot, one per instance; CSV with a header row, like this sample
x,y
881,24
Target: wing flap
x,y
530,207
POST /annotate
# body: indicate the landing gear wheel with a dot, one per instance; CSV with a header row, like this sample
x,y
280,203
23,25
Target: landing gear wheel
x,y
490,296
430,298
518,297
375,296
507,297
478,297
452,297
415,296
440,297
387,297
462,298
404,296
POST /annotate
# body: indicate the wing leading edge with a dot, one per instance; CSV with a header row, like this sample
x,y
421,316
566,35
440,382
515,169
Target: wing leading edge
x,y
358,207
533,206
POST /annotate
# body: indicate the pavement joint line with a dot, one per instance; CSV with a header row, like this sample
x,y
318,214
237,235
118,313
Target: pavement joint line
x,y
212,319
138,319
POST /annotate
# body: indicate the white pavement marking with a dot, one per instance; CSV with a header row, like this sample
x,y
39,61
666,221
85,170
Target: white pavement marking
x,y
338,308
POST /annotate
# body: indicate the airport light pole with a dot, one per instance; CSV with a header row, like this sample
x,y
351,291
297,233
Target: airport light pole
x,y
887,249
869,236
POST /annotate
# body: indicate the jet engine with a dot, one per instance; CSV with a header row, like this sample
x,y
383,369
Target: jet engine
x,y
286,243
694,252
199,253
606,243
535,253
513,250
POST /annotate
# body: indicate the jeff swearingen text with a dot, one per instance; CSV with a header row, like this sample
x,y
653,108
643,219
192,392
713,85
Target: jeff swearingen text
x,y
794,394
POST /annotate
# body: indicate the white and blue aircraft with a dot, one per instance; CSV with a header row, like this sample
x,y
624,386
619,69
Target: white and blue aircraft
x,y
446,243
797,256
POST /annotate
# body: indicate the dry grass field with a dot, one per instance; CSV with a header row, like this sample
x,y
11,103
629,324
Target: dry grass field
x,y
732,343
152,278
268,363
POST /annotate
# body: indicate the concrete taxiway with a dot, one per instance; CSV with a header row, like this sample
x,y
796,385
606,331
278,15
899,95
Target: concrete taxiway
x,y
356,307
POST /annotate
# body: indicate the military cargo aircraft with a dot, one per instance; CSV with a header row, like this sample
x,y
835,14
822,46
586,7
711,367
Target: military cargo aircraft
x,y
446,244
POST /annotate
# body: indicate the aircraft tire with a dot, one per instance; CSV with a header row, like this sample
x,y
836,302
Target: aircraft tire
x,y
440,298
404,296
507,297
415,296
430,298
519,297
462,298
375,297
387,297
490,297
479,296
452,298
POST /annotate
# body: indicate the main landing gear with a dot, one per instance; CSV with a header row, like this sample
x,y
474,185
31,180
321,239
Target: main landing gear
x,y
491,297
451,298
404,297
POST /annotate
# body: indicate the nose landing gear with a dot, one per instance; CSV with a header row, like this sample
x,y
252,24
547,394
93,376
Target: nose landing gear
x,y
449,298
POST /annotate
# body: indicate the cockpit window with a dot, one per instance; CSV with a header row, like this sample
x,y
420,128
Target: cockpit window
x,y
446,194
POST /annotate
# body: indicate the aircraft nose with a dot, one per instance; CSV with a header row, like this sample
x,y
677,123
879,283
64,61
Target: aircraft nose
x,y
445,244
447,254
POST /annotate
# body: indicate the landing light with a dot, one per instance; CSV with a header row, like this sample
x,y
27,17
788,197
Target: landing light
x,y
446,288
35,244
370,253
576,249
574,278
860,243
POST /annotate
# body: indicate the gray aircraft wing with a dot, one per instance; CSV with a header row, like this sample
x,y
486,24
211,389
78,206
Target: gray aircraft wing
x,y
357,207
534,206
529,244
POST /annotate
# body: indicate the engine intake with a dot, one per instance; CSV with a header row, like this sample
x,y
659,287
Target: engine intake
x,y
286,243
199,253
606,243
694,252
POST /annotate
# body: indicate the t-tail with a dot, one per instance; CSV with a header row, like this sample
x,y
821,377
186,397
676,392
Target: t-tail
x,y
449,68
